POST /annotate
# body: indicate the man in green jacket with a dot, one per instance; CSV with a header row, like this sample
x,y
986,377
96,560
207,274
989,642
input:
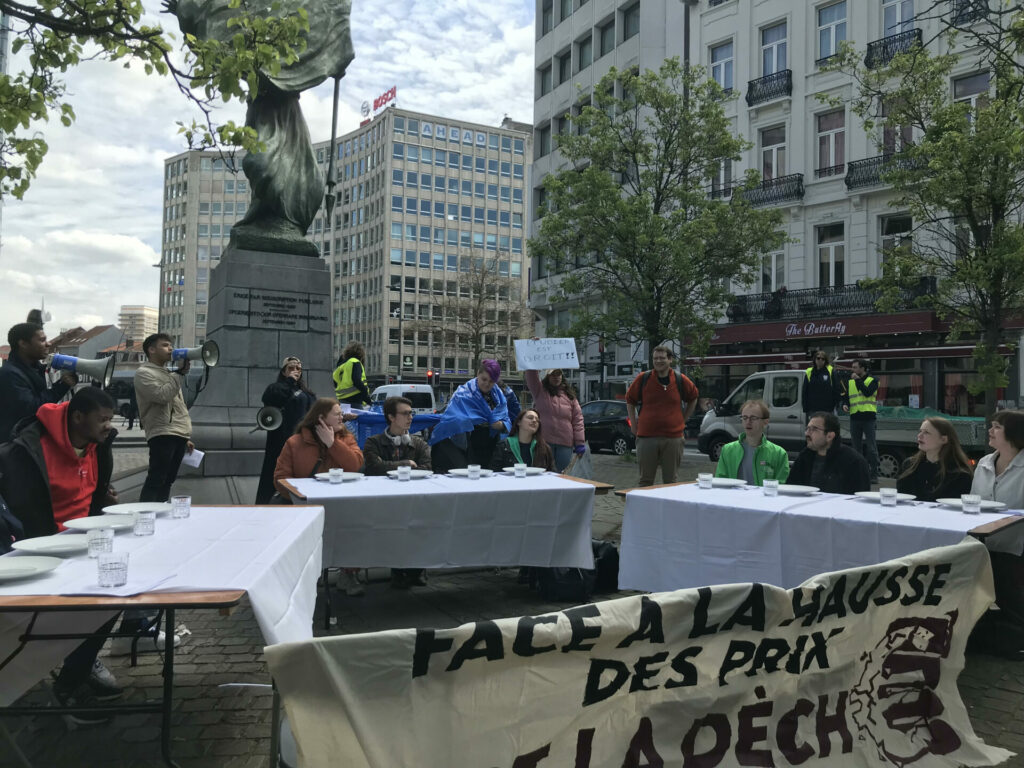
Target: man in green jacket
x,y
752,457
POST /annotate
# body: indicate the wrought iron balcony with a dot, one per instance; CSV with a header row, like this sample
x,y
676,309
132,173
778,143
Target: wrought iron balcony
x,y
832,170
967,11
868,173
880,52
818,302
720,191
777,190
769,87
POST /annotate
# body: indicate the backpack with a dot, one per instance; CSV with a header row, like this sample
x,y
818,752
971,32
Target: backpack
x,y
566,585
606,563
646,376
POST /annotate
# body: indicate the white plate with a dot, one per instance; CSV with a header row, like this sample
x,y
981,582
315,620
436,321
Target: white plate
x,y
26,567
60,544
463,472
160,507
346,477
986,505
877,496
797,490
727,482
415,474
117,522
529,470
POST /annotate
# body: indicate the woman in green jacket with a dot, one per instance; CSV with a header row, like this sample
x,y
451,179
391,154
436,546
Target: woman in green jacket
x,y
752,457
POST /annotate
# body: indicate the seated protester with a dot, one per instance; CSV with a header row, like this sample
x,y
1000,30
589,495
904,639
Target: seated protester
x,y
940,469
57,468
391,449
473,424
752,457
524,445
320,443
999,475
826,463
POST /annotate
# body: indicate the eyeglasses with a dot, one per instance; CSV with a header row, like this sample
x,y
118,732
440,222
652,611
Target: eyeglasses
x,y
750,419
811,428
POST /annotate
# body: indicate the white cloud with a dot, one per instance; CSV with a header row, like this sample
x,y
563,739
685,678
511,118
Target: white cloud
x,y
90,226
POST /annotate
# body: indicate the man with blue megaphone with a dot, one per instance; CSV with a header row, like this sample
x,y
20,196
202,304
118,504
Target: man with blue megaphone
x,y
23,378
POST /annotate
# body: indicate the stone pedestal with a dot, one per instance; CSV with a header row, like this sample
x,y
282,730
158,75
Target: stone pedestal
x,y
263,307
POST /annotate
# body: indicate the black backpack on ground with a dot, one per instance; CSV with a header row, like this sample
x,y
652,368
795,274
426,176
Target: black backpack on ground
x,y
577,585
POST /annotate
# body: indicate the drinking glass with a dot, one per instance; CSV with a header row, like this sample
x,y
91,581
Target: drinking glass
x,y
887,496
145,523
771,487
181,506
971,503
336,475
100,540
704,480
405,472
112,569
473,470
520,469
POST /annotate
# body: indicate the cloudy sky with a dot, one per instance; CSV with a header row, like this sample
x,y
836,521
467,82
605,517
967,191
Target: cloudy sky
x,y
88,231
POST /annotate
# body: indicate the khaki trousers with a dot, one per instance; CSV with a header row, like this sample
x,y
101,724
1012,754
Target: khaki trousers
x,y
654,452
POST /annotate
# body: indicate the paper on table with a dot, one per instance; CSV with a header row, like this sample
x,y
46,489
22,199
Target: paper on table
x,y
192,459
139,581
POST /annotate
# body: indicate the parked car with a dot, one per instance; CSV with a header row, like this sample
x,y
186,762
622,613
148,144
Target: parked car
x,y
607,426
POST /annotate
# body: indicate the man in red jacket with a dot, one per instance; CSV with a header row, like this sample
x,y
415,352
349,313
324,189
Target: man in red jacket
x,y
55,469
665,399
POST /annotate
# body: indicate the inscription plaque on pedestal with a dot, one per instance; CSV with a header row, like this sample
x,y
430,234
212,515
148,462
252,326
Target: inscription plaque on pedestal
x,y
275,310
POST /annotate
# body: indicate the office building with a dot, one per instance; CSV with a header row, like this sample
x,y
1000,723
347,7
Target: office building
x,y
816,162
137,321
423,204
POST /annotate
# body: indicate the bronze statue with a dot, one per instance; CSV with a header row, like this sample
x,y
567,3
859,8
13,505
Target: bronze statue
x,y
287,185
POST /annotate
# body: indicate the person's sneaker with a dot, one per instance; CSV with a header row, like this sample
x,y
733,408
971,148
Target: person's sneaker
x,y
351,584
102,683
82,696
122,646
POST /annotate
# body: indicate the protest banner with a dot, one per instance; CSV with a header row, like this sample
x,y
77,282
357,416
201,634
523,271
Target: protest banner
x,y
853,668
538,354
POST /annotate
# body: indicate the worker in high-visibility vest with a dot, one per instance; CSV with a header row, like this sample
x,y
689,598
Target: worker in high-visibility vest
x,y
350,384
823,390
862,406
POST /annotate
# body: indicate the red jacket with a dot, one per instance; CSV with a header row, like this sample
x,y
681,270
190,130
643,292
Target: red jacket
x,y
302,451
73,478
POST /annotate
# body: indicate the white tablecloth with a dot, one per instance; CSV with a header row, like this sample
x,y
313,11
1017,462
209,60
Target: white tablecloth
x,y
271,553
684,536
444,522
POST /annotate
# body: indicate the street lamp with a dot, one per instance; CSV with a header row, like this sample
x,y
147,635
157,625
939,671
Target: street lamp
x,y
686,50
399,314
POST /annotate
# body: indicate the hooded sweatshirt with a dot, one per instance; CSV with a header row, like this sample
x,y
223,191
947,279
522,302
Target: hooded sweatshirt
x,y
73,477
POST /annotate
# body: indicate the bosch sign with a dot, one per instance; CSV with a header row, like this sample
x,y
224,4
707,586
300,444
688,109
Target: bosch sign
x,y
386,97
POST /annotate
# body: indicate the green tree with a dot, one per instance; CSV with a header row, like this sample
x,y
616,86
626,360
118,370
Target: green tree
x,y
956,164
52,36
642,247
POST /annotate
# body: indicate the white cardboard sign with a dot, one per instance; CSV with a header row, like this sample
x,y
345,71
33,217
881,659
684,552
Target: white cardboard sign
x,y
538,354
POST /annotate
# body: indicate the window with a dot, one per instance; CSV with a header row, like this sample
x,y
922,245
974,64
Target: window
x,y
453,160
467,162
467,138
773,272
606,35
971,90
492,191
564,9
584,53
721,182
427,129
413,126
517,170
895,138
396,203
439,132
543,141
831,256
545,80
896,231
410,205
467,213
425,181
492,167
481,164
897,16
478,189
396,177
492,141
773,152
721,65
438,210
467,187
547,17
564,67
492,217
396,230
453,134
506,143
631,22
398,150
785,391
773,49
481,139
831,143
831,29
517,146
396,255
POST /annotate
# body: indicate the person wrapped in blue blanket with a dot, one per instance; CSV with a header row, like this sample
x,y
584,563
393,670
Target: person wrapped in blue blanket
x,y
474,422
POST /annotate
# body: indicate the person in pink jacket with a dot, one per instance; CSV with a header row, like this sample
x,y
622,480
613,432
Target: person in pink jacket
x,y
559,410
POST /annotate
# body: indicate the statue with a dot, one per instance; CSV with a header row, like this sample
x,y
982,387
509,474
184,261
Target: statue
x,y
287,185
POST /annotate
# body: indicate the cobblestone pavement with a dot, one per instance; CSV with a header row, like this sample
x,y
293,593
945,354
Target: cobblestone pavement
x,y
230,727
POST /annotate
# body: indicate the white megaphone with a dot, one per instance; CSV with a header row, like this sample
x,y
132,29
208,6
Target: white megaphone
x,y
268,418
209,353
101,370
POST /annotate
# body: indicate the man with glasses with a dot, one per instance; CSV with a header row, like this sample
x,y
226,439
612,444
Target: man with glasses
x,y
822,390
753,457
826,463
391,449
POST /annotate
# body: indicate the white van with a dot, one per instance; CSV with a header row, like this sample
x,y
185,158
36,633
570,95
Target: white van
x,y
420,395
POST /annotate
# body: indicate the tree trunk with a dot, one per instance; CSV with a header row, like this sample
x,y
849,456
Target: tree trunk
x,y
990,337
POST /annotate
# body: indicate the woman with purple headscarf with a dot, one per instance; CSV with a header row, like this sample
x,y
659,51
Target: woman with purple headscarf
x,y
475,420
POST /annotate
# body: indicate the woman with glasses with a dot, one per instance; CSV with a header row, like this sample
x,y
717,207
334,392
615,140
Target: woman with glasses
x,y
291,396
753,457
822,389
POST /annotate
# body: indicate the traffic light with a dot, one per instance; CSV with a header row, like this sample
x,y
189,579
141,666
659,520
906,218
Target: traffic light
x,y
430,378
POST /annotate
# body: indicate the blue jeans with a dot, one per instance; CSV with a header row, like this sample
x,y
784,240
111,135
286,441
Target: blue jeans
x,y
862,436
563,455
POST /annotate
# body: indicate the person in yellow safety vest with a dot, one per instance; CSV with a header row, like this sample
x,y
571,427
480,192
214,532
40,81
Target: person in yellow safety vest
x,y
350,376
823,390
862,390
